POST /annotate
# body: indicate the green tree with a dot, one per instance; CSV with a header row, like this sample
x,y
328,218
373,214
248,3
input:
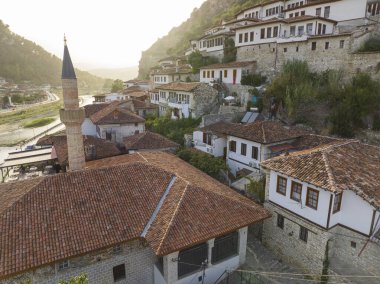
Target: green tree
x,y
172,129
256,188
253,80
229,50
117,86
206,163
196,61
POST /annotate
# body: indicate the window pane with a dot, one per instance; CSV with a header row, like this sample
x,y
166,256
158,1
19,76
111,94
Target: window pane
x,y
296,191
190,260
281,185
280,221
119,272
225,247
312,198
303,234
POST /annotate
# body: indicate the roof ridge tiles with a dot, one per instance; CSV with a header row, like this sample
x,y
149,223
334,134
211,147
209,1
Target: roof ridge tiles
x,y
173,216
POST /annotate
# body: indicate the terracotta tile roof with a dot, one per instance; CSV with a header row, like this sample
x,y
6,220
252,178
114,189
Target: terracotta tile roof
x,y
264,132
113,114
132,89
313,140
103,148
148,140
73,213
137,94
49,219
93,108
180,86
218,128
229,65
219,210
143,105
337,166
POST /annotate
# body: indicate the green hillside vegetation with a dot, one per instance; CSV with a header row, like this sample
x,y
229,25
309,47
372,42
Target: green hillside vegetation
x,y
23,60
327,100
210,14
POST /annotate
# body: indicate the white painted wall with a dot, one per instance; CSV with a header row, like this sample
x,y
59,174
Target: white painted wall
x,y
88,128
236,161
158,277
355,213
213,271
318,216
217,144
339,10
115,96
161,79
257,34
226,80
123,130
285,31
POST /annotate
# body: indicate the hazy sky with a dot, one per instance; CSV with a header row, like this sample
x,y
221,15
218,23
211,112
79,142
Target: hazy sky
x,y
100,33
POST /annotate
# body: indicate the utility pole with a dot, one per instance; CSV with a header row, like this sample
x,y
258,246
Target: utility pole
x,y
204,265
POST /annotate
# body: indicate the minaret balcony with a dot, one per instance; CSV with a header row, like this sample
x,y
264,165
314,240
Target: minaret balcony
x,y
72,116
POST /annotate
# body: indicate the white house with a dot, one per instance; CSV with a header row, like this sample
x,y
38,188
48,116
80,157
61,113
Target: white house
x,y
185,99
145,218
325,197
212,139
250,144
113,121
228,73
106,98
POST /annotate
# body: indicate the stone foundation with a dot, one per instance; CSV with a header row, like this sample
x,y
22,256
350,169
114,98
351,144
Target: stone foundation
x,y
138,259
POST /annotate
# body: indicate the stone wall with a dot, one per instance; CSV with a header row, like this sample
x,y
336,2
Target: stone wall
x,y
286,244
329,54
227,116
138,259
242,92
346,246
206,101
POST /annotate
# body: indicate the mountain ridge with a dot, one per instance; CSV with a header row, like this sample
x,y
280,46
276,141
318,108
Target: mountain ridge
x,y
211,13
24,60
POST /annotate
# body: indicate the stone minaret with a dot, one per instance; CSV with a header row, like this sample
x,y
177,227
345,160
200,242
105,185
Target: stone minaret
x,y
72,116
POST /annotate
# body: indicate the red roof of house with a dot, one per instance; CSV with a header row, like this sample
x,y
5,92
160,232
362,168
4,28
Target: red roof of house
x,y
113,114
148,140
337,166
45,220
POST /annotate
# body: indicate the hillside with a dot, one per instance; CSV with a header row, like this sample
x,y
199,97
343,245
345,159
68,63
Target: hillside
x,y
211,13
23,60
127,73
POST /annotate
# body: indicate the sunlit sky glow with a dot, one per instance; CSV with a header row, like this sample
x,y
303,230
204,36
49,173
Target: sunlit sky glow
x,y
100,33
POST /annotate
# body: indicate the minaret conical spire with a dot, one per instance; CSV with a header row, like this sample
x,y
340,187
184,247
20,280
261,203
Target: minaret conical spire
x,y
72,115
67,65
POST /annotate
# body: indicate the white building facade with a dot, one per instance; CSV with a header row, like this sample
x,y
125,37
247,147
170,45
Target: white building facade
x,y
312,223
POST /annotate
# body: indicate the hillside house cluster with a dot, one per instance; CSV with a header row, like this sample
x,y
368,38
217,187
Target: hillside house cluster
x,y
131,218
322,191
185,100
325,33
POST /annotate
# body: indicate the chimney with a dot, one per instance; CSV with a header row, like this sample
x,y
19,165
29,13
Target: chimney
x,y
72,116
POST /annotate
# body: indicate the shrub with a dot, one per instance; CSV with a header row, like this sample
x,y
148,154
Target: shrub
x,y
253,80
206,163
372,44
172,129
